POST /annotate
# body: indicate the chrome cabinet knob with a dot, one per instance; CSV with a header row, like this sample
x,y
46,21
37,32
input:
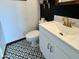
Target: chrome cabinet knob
x,y
51,49
48,45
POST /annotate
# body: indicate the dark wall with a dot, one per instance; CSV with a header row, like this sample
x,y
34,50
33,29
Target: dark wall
x,y
67,10
63,10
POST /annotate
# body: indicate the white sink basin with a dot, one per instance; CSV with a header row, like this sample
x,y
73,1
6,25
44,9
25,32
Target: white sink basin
x,y
67,30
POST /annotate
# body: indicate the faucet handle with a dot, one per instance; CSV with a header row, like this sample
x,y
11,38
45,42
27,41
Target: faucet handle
x,y
70,24
65,20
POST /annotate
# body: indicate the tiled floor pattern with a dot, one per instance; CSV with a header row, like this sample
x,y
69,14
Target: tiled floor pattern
x,y
23,50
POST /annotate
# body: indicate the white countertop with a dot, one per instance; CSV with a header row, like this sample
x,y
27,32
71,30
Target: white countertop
x,y
73,41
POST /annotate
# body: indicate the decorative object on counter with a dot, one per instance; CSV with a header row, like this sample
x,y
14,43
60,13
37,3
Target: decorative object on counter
x,y
42,20
46,4
47,9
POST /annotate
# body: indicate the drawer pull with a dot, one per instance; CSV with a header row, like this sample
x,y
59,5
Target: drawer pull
x,y
51,49
48,45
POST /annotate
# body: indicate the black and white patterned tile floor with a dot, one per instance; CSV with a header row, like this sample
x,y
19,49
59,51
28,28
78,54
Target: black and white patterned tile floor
x,y
23,50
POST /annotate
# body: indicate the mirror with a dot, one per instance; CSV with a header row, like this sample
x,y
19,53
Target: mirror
x,y
65,1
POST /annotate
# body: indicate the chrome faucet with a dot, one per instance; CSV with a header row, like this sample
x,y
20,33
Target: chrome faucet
x,y
67,22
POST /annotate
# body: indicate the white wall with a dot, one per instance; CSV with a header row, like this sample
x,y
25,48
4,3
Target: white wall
x,y
9,21
2,42
18,17
32,14
1,54
28,14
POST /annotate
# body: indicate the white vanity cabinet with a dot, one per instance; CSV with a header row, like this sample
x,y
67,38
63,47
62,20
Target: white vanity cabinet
x,y
53,47
48,47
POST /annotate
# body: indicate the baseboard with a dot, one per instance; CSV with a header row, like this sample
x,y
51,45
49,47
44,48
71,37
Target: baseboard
x,y
16,41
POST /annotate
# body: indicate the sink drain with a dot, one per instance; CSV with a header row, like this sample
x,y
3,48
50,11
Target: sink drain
x,y
61,34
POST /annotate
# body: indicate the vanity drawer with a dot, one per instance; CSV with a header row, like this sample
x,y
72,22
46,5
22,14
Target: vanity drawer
x,y
44,42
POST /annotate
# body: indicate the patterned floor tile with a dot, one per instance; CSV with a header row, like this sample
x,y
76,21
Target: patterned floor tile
x,y
23,50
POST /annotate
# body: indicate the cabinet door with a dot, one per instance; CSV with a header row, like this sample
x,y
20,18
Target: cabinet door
x,y
44,46
58,53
